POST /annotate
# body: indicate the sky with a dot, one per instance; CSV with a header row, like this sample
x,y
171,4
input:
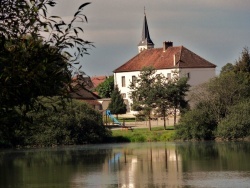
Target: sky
x,y
216,30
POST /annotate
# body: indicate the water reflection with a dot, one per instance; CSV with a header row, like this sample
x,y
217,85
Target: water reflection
x,y
149,165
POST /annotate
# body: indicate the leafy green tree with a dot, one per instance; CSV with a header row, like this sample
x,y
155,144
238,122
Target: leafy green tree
x,y
31,64
143,93
117,105
106,88
243,63
236,125
221,93
227,68
176,92
197,124
171,95
162,103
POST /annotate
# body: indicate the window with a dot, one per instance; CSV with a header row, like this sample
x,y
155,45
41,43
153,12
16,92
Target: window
x,y
169,76
188,75
123,81
134,80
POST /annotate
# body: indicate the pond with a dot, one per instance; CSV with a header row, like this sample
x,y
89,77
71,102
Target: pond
x,y
133,165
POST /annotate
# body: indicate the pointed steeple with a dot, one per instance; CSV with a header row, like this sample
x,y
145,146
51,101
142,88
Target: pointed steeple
x,y
146,42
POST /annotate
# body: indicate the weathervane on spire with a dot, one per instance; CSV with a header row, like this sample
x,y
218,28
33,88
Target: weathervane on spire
x,y
144,10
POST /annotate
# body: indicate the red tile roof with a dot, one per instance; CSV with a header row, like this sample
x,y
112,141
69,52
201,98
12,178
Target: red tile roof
x,y
159,59
96,80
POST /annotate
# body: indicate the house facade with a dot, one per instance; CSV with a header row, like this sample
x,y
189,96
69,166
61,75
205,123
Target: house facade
x,y
166,60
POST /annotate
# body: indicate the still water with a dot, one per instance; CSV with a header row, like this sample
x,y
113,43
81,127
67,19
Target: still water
x,y
136,165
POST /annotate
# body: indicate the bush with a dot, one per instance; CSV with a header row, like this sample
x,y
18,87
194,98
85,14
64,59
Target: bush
x,y
10,128
76,123
237,123
72,123
197,124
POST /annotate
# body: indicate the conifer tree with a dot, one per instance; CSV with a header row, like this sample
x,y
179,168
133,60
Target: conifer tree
x,y
117,105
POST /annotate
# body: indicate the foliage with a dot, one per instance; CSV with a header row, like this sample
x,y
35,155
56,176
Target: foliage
x,y
10,128
72,123
243,63
221,105
170,95
164,94
198,124
117,105
30,69
106,88
237,123
143,92
227,68
33,64
221,93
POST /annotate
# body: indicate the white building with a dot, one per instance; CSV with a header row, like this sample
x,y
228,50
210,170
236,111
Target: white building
x,y
165,60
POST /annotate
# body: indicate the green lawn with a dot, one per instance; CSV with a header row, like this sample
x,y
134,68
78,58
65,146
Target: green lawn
x,y
144,135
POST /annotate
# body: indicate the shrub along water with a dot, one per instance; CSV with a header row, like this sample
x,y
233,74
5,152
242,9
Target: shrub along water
x,y
72,123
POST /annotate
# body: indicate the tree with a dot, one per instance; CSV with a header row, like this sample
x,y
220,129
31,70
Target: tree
x,y
243,63
143,92
222,92
171,94
176,94
219,105
106,88
162,102
117,105
237,123
227,68
33,65
197,124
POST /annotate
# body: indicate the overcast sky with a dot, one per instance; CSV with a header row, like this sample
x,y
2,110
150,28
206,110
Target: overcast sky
x,y
217,30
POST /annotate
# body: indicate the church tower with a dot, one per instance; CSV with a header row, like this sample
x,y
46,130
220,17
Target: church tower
x,y
146,42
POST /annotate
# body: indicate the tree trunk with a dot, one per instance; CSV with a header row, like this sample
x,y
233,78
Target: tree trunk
x,y
174,116
149,123
164,121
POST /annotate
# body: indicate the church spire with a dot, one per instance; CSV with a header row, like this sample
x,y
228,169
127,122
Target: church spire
x,y
146,42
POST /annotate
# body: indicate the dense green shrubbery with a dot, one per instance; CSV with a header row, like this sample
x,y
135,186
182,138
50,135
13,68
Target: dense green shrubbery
x,y
73,123
237,123
197,124
10,128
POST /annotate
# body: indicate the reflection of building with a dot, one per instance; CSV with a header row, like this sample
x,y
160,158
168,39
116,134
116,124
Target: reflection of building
x,y
139,168
126,167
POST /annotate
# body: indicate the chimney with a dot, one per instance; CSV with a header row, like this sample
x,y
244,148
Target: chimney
x,y
166,45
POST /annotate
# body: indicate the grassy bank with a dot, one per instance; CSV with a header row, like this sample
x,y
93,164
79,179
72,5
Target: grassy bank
x,y
144,135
